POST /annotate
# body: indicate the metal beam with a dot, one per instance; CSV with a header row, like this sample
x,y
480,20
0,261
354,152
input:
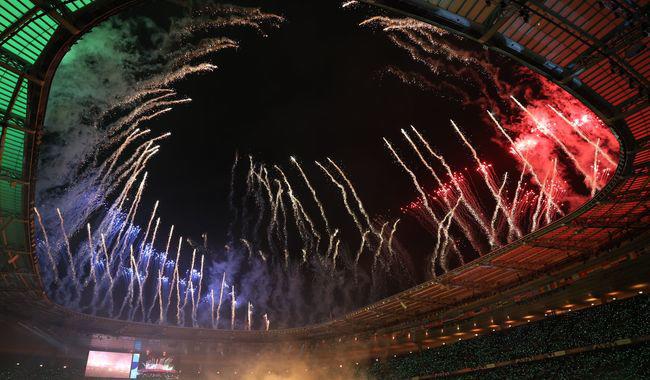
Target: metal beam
x,y
17,25
51,11
19,72
425,301
515,267
562,244
501,13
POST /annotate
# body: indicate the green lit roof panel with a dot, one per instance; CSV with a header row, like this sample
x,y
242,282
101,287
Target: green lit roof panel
x,y
75,5
12,157
11,196
28,40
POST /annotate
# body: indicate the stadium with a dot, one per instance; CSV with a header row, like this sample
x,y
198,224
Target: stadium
x,y
567,299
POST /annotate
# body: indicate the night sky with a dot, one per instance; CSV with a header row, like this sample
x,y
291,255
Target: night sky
x,y
317,87
320,86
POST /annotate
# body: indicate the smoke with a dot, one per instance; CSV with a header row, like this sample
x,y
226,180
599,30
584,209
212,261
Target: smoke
x,y
109,59
564,154
93,175
287,362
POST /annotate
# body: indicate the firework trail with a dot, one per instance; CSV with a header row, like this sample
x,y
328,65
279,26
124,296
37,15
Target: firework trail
x,y
467,201
540,197
249,316
174,279
354,194
445,232
595,173
107,270
67,245
499,199
361,246
190,285
248,247
344,196
194,321
577,129
416,183
490,185
336,253
223,282
391,236
313,193
527,164
460,221
381,243
91,250
140,289
160,274
205,47
267,323
300,214
47,246
212,307
233,307
546,130
549,199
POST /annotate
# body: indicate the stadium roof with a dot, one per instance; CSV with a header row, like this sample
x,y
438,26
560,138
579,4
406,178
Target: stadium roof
x,y
596,50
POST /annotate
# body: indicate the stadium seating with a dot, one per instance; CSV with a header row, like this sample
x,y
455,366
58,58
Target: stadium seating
x,y
601,324
614,363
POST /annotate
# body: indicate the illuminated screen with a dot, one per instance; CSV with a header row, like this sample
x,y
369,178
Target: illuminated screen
x,y
115,365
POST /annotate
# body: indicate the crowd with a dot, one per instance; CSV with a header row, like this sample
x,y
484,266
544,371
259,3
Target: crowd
x,y
45,373
614,363
601,324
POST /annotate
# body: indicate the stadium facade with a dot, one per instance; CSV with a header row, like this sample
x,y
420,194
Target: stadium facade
x,y
595,254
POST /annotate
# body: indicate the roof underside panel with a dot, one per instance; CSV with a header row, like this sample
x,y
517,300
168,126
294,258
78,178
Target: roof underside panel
x,y
75,5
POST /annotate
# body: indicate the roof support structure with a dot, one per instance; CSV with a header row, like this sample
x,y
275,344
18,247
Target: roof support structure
x,y
51,11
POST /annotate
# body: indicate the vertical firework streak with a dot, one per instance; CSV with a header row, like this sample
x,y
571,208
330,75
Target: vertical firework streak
x,y
489,183
67,246
418,187
140,289
267,322
233,307
390,238
189,289
460,221
223,282
576,128
160,274
300,214
499,199
344,196
549,199
548,132
212,308
249,316
313,193
194,307
380,244
354,194
47,246
472,208
527,165
93,275
361,246
443,249
174,278
107,270
595,174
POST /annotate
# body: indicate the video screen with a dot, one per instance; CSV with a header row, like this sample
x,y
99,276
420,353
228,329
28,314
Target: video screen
x,y
116,365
